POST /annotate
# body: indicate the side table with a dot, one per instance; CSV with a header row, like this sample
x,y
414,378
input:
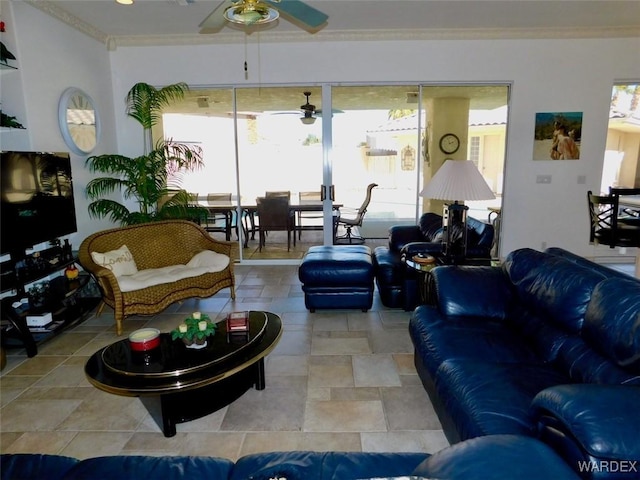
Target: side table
x,y
422,266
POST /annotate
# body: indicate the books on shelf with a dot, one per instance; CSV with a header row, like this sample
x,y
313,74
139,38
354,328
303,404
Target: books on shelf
x,y
50,327
39,320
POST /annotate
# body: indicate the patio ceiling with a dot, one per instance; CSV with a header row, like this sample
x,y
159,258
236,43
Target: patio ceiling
x,y
216,102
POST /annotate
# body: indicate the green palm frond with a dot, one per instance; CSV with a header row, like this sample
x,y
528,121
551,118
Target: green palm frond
x,y
189,212
108,163
179,155
99,187
144,178
135,218
114,211
145,102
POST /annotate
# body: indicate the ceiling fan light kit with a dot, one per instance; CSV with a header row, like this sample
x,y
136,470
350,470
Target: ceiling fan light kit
x,y
308,120
251,13
259,12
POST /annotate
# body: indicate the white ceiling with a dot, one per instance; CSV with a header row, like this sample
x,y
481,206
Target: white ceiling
x,y
166,22
177,21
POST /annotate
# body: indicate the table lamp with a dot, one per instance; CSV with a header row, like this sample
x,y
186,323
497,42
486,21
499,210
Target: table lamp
x,y
456,180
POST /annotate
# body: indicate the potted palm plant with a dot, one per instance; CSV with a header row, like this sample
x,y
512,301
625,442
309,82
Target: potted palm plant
x,y
144,178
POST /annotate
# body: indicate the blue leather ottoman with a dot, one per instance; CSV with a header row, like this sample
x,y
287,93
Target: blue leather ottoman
x,y
335,276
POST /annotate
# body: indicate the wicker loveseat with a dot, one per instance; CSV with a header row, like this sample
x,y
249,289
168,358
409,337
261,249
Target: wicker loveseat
x,y
154,246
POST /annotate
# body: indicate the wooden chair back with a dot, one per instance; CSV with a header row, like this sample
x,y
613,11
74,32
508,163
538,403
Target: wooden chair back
x,y
605,228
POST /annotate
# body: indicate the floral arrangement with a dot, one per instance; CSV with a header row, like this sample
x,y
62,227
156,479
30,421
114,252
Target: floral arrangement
x,y
195,328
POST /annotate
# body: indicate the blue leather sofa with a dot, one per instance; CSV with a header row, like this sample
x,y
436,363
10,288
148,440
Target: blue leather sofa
x,y
547,345
397,285
498,457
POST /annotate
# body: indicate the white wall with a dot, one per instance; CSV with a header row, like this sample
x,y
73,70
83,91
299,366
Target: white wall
x,y
546,75
52,57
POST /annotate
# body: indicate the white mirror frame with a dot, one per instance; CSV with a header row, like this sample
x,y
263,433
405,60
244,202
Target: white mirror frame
x,y
73,93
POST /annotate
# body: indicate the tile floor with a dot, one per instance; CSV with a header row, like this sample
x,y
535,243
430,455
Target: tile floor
x,y
338,380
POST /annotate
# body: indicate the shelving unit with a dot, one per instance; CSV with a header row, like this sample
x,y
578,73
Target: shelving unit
x,y
65,302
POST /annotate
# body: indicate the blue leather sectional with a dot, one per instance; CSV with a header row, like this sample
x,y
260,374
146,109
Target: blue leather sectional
x,y
547,345
498,457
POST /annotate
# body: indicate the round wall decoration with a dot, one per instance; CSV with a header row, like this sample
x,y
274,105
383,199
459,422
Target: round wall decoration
x,y
79,121
449,143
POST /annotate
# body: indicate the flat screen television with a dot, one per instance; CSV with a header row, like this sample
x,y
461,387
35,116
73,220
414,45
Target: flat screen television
x,y
36,199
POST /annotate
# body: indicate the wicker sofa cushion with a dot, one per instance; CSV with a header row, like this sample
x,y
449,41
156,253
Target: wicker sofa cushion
x,y
203,262
119,261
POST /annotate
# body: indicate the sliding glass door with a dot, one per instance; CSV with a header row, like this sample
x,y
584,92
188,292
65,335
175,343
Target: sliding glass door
x,y
377,140
261,140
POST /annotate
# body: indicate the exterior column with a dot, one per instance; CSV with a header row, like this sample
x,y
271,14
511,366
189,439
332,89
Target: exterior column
x,y
444,115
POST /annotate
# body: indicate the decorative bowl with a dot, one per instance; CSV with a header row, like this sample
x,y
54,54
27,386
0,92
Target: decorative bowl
x,y
144,339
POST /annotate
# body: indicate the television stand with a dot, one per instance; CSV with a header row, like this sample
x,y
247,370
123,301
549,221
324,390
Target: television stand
x,y
65,304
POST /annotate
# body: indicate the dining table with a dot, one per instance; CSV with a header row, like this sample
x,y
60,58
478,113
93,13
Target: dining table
x,y
249,210
628,200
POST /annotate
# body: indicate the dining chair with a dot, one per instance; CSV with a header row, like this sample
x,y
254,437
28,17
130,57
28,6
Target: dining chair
x,y
308,197
283,193
275,193
354,219
605,225
219,221
273,215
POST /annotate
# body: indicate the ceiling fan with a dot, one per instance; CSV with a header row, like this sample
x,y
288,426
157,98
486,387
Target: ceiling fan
x,y
308,111
258,12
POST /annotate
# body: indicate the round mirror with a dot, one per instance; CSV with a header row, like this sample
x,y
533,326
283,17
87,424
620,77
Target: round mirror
x,y
79,122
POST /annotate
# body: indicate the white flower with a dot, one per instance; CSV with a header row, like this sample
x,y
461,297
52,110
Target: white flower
x,y
202,325
196,315
182,328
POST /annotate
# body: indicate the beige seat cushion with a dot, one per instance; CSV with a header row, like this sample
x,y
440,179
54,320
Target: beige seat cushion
x,y
206,261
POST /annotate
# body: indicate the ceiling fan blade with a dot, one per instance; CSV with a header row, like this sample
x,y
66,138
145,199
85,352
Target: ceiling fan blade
x,y
333,111
215,20
300,11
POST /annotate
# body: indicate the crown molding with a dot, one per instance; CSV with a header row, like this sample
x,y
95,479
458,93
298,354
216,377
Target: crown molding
x,y
71,20
377,35
274,36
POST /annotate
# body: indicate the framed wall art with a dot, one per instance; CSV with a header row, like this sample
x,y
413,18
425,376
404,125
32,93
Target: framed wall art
x,y
557,136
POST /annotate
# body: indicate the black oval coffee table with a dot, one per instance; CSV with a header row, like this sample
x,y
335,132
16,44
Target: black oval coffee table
x,y
189,383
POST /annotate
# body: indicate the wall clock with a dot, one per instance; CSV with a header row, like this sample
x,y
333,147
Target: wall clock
x,y
79,121
449,143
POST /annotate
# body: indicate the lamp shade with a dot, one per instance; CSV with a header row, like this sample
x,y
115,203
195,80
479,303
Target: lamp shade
x,y
457,180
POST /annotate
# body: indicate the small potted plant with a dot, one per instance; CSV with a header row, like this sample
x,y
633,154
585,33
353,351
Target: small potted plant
x,y
38,294
194,330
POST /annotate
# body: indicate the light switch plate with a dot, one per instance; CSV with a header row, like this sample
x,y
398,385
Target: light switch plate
x,y
543,179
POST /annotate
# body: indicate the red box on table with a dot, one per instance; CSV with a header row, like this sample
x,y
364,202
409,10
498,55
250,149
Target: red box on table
x,y
238,322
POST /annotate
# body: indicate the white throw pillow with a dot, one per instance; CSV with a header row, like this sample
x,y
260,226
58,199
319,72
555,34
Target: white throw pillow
x,y
119,261
213,261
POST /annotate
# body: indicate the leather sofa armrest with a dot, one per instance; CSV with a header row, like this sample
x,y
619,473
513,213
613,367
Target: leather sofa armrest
x,y
475,291
593,426
400,235
496,457
28,466
429,248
